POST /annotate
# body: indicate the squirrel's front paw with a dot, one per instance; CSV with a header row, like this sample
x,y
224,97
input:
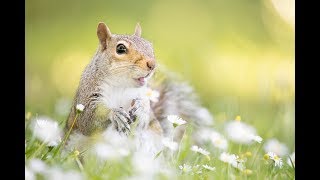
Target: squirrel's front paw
x,y
140,110
121,120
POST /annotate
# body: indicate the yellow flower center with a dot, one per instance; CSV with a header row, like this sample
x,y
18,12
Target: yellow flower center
x,y
238,118
149,93
218,141
76,153
28,115
266,157
208,157
248,154
247,171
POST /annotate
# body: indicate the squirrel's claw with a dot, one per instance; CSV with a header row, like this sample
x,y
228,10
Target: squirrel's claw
x,y
121,121
140,109
136,107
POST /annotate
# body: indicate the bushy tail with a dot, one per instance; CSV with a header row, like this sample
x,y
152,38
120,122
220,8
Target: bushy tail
x,y
178,98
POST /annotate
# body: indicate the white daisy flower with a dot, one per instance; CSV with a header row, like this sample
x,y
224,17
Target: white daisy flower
x,y
153,95
233,160
112,145
197,169
218,140
257,139
205,135
29,175
199,150
277,160
170,144
144,163
47,131
185,168
209,167
57,173
80,107
271,155
273,145
176,120
293,159
37,166
241,133
205,116
108,152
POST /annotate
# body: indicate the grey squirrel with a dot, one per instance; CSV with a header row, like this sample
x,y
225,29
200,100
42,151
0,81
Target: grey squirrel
x,y
113,85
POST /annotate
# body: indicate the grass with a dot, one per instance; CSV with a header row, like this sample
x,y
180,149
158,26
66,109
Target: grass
x,y
72,164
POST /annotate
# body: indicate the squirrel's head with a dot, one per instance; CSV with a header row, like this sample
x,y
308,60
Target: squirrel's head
x,y
129,58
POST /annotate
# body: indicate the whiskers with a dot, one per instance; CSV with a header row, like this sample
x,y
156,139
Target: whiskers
x,y
125,69
116,69
123,74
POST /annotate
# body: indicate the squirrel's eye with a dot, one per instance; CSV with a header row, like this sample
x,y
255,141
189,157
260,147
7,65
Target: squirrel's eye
x,y
121,49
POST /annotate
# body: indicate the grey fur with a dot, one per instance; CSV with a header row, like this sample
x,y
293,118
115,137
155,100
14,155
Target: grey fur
x,y
175,97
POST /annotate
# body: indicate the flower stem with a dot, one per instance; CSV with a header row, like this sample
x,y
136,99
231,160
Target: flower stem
x,y
40,148
172,160
179,150
67,136
45,155
79,164
255,155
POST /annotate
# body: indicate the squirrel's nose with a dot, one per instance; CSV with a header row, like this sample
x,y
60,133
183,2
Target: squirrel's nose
x,y
151,64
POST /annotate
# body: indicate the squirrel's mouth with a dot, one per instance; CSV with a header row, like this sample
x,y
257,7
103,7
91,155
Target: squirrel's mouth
x,y
142,80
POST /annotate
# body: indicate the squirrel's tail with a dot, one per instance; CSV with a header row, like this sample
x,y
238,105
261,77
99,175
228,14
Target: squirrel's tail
x,y
178,98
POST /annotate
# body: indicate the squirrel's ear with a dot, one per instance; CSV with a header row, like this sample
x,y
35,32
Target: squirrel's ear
x,y
104,34
137,31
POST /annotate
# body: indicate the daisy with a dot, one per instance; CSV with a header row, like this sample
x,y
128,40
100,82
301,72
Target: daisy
x,y
170,144
258,139
293,159
37,166
153,95
209,167
107,152
232,159
241,133
79,107
205,116
273,145
47,131
28,115
205,135
29,175
144,163
218,140
57,173
199,150
278,162
197,169
185,168
247,171
176,120
276,159
271,155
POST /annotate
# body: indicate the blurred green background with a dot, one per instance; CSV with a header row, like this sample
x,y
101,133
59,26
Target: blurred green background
x,y
238,54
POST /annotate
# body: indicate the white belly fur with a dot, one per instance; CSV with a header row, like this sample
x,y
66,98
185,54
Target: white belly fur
x,y
120,97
